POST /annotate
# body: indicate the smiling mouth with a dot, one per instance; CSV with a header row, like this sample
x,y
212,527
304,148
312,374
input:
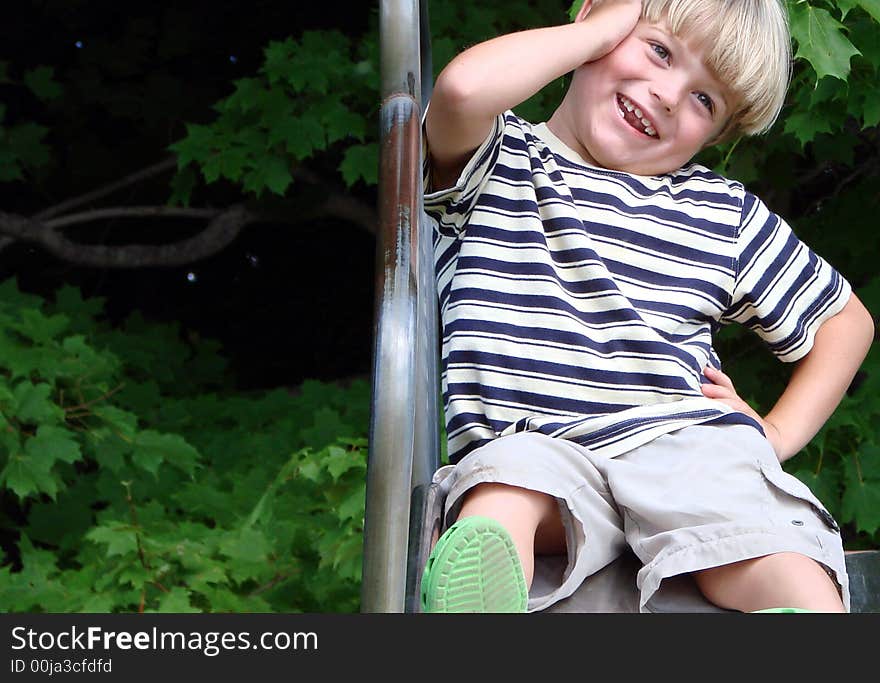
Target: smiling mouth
x,y
635,117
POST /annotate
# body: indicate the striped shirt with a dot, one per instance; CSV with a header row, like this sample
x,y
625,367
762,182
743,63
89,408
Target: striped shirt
x,y
580,302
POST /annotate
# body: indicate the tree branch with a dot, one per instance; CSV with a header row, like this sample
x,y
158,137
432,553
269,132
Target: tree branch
x,y
72,203
44,228
220,232
129,212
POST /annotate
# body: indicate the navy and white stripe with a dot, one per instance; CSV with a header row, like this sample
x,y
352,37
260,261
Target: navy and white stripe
x,y
580,301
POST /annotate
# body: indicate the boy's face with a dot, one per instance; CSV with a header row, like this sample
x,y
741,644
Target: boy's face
x,y
647,107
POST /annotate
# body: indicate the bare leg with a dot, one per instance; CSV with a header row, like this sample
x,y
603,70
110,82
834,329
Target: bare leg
x,y
530,517
779,580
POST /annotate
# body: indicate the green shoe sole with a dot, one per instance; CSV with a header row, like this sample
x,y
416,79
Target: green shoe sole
x,y
474,568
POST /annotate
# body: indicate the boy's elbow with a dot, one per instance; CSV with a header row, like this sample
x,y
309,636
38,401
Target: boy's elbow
x,y
456,88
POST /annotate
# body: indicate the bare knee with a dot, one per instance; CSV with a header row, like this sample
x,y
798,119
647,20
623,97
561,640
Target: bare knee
x,y
505,496
522,511
777,580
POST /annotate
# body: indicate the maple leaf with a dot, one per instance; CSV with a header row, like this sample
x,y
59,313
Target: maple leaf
x,y
821,41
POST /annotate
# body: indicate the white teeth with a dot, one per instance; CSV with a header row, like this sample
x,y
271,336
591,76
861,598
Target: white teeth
x,y
630,107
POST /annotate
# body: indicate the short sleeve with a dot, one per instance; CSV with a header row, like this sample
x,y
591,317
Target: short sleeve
x,y
451,207
783,290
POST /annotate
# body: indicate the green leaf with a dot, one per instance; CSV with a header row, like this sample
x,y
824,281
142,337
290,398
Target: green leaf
x,y
110,451
342,551
310,136
33,404
276,107
277,58
340,460
872,7
352,507
38,561
861,497
310,469
869,461
211,575
176,601
248,552
247,544
196,146
41,81
338,121
79,311
10,440
122,421
871,107
327,424
863,34
98,604
861,504
182,185
85,359
228,163
361,162
53,443
135,575
821,41
150,449
120,538
271,172
249,92
26,475
38,327
846,6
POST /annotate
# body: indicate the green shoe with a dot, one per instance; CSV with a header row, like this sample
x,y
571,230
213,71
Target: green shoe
x,y
784,610
474,568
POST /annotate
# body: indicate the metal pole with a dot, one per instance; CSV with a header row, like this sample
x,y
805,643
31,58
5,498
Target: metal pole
x,y
393,415
426,452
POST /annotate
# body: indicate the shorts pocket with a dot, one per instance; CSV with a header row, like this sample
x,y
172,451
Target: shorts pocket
x,y
791,485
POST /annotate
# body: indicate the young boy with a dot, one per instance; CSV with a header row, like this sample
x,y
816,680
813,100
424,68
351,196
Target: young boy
x,y
582,265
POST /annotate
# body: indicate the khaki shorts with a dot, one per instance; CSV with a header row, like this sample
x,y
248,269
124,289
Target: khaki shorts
x,y
701,497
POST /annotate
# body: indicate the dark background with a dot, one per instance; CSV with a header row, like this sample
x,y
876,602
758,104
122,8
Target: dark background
x,y
287,302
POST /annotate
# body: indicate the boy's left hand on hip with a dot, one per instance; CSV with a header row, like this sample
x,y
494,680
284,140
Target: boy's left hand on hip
x,y
722,389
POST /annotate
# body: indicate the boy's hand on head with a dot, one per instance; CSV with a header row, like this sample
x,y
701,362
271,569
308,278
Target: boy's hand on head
x,y
722,389
613,20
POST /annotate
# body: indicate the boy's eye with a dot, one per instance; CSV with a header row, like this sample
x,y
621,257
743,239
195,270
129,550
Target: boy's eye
x,y
706,101
660,51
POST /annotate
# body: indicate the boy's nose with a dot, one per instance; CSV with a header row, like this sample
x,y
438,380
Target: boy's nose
x,y
669,94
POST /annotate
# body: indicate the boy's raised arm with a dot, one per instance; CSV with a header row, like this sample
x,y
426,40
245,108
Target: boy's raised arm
x,y
499,74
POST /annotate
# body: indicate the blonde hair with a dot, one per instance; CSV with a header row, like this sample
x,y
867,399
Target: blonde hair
x,y
747,45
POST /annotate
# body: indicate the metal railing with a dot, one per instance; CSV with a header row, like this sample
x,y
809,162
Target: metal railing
x,y
404,433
